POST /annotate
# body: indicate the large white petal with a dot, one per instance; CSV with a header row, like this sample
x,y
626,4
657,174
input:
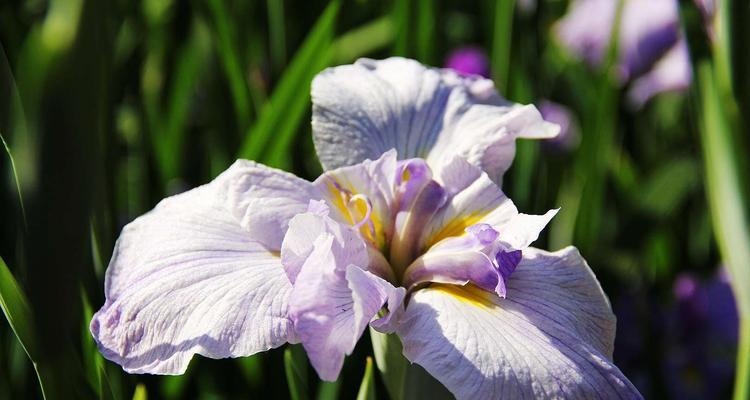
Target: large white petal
x,y
188,278
550,338
364,109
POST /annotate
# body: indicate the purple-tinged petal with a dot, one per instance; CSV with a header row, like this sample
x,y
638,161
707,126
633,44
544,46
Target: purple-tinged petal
x,y
672,73
190,278
469,61
569,136
365,109
648,28
550,338
586,28
333,298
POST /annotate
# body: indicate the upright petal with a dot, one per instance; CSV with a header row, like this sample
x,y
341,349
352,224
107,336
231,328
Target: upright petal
x,y
189,277
365,109
550,338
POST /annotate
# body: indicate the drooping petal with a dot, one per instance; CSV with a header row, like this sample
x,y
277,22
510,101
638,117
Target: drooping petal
x,y
365,109
189,278
333,298
550,338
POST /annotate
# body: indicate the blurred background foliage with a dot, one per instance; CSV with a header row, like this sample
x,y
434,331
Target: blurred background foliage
x,y
108,106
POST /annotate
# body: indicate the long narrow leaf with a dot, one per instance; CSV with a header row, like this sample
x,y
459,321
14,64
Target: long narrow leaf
x,y
17,311
501,42
15,178
728,212
280,117
295,366
230,61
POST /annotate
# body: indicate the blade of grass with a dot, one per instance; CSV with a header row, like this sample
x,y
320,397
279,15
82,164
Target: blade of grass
x,y
93,360
15,178
140,392
276,33
728,211
295,367
282,113
502,42
191,59
426,31
18,313
230,61
367,388
401,21
363,40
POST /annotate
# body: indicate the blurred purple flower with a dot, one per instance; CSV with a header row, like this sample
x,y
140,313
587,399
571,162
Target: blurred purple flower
x,y
568,138
649,41
701,347
469,61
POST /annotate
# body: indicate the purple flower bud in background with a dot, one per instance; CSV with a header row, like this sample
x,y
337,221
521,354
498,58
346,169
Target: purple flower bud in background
x,y
708,10
569,137
672,73
652,53
702,338
469,61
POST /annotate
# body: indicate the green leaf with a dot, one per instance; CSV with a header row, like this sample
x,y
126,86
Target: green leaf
x,y
140,392
401,16
295,366
728,210
169,130
501,43
363,40
15,178
283,112
668,186
17,311
425,36
93,363
367,388
230,60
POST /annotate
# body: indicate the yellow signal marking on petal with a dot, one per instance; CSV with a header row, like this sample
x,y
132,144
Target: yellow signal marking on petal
x,y
340,196
455,227
468,294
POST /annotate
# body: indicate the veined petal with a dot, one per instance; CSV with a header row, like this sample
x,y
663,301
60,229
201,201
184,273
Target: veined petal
x,y
550,338
364,109
333,298
188,277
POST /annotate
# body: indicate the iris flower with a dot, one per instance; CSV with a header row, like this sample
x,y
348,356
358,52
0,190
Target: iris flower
x,y
653,53
407,232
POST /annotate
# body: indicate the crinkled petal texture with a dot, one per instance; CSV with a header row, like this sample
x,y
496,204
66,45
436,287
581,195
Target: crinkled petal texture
x,y
200,274
334,297
552,337
365,109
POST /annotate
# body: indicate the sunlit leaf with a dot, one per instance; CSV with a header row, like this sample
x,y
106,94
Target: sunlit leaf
x,y
269,138
17,311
